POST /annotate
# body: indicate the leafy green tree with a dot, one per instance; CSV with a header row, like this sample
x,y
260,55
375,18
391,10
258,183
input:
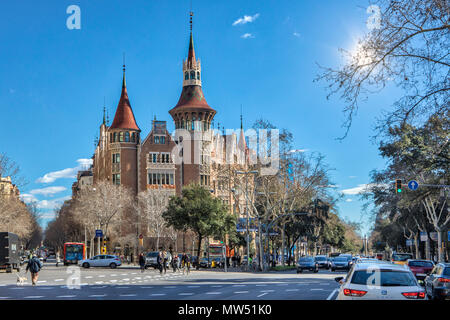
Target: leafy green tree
x,y
197,210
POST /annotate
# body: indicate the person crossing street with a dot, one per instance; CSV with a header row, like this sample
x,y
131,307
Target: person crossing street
x,y
185,262
142,262
34,265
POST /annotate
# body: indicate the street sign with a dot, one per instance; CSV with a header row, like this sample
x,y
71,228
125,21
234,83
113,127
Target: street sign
x,y
413,185
423,236
98,233
434,236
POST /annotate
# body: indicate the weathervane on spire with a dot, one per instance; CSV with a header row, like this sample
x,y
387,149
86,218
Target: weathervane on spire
x,y
123,82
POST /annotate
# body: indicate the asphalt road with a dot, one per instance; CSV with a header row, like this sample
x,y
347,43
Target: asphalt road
x,y
128,283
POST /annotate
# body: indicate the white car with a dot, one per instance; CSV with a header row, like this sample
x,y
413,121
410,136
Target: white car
x,y
102,260
379,281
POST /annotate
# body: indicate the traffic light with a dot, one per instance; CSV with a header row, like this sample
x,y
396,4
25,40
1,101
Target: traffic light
x,y
398,185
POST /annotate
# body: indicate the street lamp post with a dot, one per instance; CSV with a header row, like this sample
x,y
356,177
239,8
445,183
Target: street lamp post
x,y
246,209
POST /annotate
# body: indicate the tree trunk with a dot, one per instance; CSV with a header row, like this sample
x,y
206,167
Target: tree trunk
x,y
282,247
416,246
427,248
199,246
440,255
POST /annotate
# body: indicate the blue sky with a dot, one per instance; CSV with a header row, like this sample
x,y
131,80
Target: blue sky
x,y
54,80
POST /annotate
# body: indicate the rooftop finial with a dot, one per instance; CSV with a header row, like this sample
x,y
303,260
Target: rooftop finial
x,y
190,20
123,82
242,127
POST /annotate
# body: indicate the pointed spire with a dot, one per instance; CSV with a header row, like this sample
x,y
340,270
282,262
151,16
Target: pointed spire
x,y
104,115
124,117
191,53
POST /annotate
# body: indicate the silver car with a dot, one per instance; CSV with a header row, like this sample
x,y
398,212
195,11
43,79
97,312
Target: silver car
x,y
101,260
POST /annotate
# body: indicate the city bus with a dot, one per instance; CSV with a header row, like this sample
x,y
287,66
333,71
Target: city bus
x,y
73,252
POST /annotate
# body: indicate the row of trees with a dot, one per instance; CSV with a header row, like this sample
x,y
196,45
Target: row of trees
x,y
16,216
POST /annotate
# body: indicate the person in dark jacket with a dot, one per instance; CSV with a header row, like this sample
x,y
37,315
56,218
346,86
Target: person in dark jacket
x,y
34,265
142,262
160,261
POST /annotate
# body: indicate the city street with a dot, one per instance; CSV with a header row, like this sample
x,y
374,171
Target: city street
x,y
128,283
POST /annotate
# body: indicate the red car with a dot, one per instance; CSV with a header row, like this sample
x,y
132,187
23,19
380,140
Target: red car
x,y
420,268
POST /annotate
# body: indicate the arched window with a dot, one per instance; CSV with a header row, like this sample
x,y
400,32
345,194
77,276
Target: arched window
x,y
115,137
121,137
198,75
133,137
193,123
127,136
186,75
192,75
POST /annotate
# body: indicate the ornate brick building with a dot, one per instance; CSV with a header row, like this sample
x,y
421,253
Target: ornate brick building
x,y
164,162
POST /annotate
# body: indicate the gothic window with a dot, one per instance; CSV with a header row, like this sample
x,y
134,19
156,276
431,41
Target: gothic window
x,y
192,75
133,137
115,137
198,75
121,137
127,136
186,76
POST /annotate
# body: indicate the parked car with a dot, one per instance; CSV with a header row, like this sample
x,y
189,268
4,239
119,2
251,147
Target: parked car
x,y
307,263
321,261
379,281
204,263
151,259
420,268
437,284
101,260
340,263
401,258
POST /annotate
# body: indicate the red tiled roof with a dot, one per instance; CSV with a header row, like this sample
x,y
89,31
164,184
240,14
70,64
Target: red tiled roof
x,y
124,118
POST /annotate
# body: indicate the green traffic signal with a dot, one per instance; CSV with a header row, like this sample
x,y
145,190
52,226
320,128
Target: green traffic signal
x,y
398,185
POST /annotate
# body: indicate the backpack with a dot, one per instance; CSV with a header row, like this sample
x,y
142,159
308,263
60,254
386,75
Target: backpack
x,y
35,265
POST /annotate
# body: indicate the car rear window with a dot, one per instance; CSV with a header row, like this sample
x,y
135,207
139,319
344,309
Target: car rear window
x,y
305,259
425,264
401,257
384,278
341,259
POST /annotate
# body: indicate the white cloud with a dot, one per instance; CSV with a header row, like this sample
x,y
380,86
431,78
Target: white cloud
x,y
247,35
28,198
69,173
245,19
52,204
348,200
360,189
297,150
49,191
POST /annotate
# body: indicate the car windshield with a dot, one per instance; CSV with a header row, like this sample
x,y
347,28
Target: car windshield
x,y
152,254
384,278
305,260
340,259
321,259
426,264
401,256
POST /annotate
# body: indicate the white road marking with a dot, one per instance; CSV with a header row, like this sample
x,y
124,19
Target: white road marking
x,y
282,284
101,276
33,297
59,280
45,288
128,295
42,281
146,287
186,294
332,294
158,294
261,285
214,292
316,289
97,295
193,286
68,296
5,297
266,291
240,292
170,287
262,294
238,285
292,289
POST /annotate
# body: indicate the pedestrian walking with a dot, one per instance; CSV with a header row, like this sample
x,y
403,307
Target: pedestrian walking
x,y
142,262
175,263
165,261
185,262
160,261
34,265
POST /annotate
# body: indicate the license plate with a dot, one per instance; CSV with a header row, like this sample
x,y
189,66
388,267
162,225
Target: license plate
x,y
421,275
